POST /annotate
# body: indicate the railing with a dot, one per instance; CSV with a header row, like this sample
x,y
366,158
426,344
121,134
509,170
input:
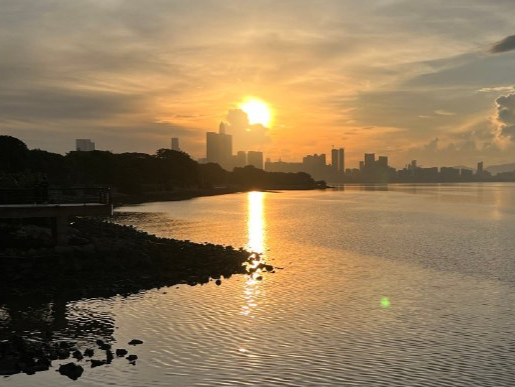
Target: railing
x,y
42,194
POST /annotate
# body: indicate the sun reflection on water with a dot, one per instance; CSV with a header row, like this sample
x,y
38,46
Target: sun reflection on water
x,y
256,227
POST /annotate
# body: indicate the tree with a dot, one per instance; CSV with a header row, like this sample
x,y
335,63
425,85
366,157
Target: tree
x,y
13,154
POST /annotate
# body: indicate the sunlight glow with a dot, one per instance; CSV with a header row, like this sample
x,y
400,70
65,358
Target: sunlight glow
x,y
256,222
257,111
256,227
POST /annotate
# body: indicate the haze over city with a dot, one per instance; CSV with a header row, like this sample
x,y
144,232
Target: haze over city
x,y
431,81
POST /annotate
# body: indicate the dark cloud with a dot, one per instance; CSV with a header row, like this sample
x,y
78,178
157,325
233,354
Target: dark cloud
x,y
506,115
505,45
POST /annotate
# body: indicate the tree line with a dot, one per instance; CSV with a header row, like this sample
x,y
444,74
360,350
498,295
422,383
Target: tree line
x,y
131,173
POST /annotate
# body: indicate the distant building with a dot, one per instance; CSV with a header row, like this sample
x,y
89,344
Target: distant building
x,y
175,144
255,159
240,159
341,160
382,161
370,159
480,171
84,145
334,159
219,147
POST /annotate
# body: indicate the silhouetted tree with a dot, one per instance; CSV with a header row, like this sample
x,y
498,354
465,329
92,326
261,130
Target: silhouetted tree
x,y
14,154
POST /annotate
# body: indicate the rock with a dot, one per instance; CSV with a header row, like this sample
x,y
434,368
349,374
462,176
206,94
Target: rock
x,y
218,282
63,354
105,347
135,342
132,357
97,363
72,370
77,355
89,352
120,352
109,356
100,342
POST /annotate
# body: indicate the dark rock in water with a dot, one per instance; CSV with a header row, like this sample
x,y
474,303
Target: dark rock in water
x,y
105,347
66,344
72,370
89,352
97,363
109,356
77,355
132,357
120,352
218,282
100,342
135,342
63,354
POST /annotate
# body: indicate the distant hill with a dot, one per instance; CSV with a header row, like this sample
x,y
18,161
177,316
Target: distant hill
x,y
494,169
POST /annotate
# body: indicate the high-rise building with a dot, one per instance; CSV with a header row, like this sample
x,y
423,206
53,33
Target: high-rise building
x,y
175,144
240,159
341,160
219,147
382,161
255,159
334,159
361,165
370,159
84,145
480,171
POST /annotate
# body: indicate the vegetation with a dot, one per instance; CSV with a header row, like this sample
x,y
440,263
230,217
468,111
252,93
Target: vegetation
x,y
131,173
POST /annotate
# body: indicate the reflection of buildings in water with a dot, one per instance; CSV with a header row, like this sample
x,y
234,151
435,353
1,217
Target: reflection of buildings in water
x,y
256,227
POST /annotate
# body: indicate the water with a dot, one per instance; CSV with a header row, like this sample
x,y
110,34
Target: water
x,y
410,286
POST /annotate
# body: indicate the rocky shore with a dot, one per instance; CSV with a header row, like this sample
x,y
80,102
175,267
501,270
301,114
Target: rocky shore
x,y
109,258
103,259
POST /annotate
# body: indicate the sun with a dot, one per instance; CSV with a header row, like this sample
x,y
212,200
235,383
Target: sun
x,y
257,111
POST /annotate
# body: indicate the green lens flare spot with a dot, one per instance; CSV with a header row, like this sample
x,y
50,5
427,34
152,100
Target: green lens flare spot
x,y
385,302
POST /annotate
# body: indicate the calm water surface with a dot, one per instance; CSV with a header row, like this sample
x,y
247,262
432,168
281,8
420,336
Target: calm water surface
x,y
410,286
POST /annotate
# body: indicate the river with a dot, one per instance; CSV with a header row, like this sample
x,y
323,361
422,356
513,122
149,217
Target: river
x,y
405,285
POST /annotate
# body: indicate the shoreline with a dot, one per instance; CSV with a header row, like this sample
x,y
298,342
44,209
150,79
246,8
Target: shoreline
x,y
103,260
172,196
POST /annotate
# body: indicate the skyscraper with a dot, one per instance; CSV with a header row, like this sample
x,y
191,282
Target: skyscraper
x,y
84,145
255,159
175,144
480,170
334,159
240,160
370,159
341,160
382,161
219,147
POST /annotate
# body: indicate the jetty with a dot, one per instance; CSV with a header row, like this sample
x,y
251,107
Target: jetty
x,y
57,204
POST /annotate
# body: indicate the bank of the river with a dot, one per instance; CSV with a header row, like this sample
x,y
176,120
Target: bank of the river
x,y
103,259
168,196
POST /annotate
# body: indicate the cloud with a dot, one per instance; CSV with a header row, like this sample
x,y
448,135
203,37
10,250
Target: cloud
x,y
246,136
501,89
505,45
444,113
505,116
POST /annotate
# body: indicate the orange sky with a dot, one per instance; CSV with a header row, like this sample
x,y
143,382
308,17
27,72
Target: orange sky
x,y
408,79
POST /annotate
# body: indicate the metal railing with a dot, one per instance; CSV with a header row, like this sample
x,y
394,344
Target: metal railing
x,y
41,194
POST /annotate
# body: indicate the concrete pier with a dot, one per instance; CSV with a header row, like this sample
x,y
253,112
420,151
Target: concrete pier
x,y
59,213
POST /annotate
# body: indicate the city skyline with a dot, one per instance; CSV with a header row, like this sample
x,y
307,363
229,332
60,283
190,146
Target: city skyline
x,y
376,77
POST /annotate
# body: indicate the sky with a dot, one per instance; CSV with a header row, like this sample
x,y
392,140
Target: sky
x,y
410,79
